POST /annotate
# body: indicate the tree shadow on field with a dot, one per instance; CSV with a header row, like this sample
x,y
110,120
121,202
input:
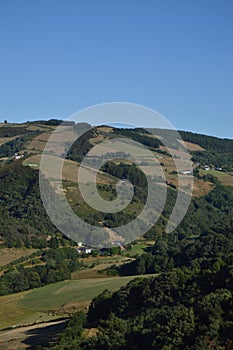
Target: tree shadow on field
x,y
44,336
148,249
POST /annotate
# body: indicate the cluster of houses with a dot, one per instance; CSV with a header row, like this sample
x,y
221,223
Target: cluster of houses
x,y
204,167
81,249
207,167
18,156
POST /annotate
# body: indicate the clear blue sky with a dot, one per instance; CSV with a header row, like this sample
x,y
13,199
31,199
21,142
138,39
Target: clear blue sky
x,y
175,56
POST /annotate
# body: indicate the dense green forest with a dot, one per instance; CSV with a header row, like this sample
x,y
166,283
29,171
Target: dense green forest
x,y
140,136
181,309
208,142
218,152
10,131
22,213
188,306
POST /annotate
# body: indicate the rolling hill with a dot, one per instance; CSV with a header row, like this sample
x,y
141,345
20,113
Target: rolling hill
x,y
31,247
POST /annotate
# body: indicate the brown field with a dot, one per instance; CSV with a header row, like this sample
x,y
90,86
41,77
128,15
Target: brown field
x,y
200,187
191,146
120,144
36,146
70,169
98,138
35,159
63,134
43,137
90,332
102,149
39,142
72,307
168,164
15,125
181,154
8,255
7,139
35,127
152,135
43,126
225,178
107,129
56,143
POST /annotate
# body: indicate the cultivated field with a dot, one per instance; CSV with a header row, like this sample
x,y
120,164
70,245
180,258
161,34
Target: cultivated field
x,y
7,139
69,169
192,146
225,178
201,188
8,255
47,303
53,296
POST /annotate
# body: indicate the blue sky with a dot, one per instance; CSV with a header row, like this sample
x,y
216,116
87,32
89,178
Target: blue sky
x,y
175,56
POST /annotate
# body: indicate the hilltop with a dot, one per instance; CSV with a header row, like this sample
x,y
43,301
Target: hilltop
x,y
24,221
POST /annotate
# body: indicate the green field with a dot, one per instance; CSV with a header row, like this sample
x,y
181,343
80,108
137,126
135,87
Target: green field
x,y
37,305
10,311
139,249
225,178
53,296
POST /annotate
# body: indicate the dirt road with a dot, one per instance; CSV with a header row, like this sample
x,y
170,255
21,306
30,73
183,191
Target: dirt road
x,y
30,336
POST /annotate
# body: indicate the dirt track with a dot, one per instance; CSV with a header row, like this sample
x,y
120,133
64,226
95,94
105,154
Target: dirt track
x,y
30,336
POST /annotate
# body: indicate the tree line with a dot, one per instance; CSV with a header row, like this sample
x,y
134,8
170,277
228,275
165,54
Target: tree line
x,y
54,265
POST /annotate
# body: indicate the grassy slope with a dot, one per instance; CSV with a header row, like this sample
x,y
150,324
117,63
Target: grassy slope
x,y
225,178
55,295
139,248
8,255
11,313
38,304
70,169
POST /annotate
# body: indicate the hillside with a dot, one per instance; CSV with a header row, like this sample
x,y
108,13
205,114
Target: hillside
x,y
21,183
39,263
21,147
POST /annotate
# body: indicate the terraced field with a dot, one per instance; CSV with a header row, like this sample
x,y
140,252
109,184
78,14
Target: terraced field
x,y
8,255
